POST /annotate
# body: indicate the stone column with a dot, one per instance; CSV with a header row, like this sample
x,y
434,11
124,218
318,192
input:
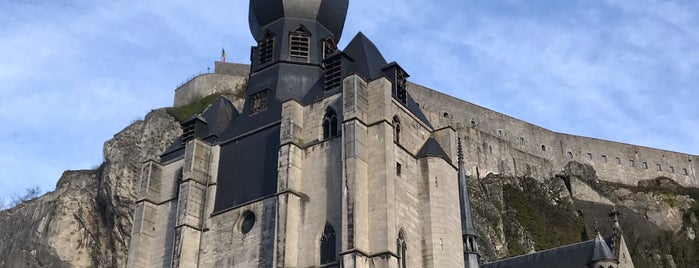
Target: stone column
x,y
190,205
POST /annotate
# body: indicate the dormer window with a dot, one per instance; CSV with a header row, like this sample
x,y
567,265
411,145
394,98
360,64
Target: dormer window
x,y
188,131
299,45
265,49
402,86
329,47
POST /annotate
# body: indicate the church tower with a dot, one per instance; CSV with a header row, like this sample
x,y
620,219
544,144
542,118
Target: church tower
x,y
330,163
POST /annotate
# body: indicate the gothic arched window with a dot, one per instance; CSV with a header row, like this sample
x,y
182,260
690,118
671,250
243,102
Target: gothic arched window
x,y
299,44
396,129
330,126
327,245
265,49
402,249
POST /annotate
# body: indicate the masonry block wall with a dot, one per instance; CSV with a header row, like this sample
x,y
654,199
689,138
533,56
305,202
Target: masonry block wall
x,y
510,138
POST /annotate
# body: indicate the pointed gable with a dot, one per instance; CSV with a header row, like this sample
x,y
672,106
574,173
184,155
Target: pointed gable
x,y
219,115
368,61
601,251
431,148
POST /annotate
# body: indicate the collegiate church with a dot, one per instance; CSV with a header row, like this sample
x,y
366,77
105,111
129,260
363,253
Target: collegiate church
x,y
331,162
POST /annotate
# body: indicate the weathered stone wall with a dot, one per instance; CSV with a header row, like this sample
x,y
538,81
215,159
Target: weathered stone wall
x,y
206,84
512,138
225,245
234,69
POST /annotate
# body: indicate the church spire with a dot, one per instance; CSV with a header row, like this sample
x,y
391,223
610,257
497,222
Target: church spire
x,y
468,228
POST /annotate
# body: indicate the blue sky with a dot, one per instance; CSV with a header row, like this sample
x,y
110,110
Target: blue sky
x,y
73,72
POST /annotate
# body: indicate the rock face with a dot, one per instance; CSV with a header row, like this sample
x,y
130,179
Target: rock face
x,y
86,221
517,215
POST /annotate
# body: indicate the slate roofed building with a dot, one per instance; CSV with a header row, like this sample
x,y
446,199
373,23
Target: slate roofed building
x,y
330,162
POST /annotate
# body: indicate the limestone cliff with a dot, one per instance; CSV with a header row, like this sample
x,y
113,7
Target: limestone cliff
x,y
517,215
86,221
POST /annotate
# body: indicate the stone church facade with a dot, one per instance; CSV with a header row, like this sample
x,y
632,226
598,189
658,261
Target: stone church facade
x,y
331,162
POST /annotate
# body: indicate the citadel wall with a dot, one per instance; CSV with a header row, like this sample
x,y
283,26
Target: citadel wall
x,y
227,77
512,139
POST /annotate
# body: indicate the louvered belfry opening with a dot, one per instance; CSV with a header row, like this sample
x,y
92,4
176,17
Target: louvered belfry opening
x,y
333,72
266,48
299,45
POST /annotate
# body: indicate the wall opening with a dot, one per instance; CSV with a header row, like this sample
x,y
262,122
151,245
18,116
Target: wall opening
x,y
330,127
396,129
299,45
265,49
569,154
402,250
658,167
327,245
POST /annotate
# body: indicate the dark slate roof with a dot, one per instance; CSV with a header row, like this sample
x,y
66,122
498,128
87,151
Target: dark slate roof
x,y
368,61
432,148
330,13
570,256
415,109
219,115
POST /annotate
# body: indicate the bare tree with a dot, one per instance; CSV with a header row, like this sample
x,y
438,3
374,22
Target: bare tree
x,y
29,194
3,203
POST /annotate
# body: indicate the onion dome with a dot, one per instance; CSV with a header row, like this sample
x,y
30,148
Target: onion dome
x,y
329,13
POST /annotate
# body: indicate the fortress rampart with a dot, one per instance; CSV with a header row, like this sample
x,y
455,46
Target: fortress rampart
x,y
226,78
513,147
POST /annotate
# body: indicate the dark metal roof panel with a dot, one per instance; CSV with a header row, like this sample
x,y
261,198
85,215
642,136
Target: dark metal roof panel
x,y
415,109
570,256
330,13
368,61
219,115
432,148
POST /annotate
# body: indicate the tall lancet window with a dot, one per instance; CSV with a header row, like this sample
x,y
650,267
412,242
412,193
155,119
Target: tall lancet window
x,y
330,126
396,129
327,245
299,45
402,250
265,49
